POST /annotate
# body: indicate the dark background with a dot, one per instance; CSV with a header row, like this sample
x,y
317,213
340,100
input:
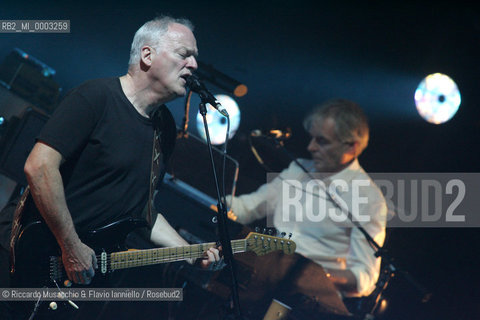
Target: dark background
x,y
295,54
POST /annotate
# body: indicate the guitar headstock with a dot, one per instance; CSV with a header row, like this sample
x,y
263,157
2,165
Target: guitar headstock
x,y
262,244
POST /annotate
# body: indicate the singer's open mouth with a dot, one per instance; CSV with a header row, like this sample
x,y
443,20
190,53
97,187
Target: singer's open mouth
x,y
185,76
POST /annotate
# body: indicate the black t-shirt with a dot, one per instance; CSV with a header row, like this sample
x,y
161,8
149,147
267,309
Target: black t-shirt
x,y
107,146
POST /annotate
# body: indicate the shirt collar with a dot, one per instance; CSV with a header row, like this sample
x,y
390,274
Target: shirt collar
x,y
346,174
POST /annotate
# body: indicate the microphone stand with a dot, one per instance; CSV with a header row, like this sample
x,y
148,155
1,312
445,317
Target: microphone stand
x,y
388,271
222,224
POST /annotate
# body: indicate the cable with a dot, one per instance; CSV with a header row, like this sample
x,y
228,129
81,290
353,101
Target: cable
x,y
224,164
183,133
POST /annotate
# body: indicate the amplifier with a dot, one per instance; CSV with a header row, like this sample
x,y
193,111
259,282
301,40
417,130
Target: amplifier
x,y
30,79
18,141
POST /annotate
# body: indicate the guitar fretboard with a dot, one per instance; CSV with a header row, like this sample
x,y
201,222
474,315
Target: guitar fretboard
x,y
138,258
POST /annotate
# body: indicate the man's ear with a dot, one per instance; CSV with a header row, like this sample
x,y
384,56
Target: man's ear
x,y
146,56
353,149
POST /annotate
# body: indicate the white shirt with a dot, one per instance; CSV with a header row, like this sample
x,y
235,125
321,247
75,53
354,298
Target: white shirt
x,y
322,232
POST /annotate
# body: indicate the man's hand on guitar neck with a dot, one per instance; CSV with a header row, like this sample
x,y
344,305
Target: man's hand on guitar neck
x,y
165,236
212,259
79,261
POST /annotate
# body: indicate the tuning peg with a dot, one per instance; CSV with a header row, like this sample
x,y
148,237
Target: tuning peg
x,y
283,234
270,232
257,229
289,235
264,231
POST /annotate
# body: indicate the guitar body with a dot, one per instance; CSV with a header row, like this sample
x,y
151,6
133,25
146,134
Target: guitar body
x,y
37,256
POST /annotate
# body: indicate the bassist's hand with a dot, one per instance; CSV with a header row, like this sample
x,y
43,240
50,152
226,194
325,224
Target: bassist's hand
x,y
80,263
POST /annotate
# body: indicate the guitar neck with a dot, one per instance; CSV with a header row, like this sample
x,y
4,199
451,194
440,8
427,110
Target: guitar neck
x,y
138,258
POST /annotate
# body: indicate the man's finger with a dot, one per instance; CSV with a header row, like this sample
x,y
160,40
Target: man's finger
x,y
211,256
76,277
216,254
90,272
94,261
71,277
84,277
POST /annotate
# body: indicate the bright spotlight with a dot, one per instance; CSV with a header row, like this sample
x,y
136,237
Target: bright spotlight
x,y
437,98
217,123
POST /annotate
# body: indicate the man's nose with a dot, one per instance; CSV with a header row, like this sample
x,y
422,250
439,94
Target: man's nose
x,y
312,146
192,63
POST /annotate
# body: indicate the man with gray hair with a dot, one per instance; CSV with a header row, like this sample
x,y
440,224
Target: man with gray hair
x,y
332,180
92,162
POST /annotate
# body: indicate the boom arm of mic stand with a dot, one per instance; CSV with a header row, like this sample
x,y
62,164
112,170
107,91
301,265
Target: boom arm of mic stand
x,y
222,223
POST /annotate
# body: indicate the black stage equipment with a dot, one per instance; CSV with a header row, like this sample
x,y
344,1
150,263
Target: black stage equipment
x,y
30,79
18,141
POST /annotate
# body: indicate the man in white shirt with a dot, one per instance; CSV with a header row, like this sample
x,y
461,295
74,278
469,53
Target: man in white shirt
x,y
309,205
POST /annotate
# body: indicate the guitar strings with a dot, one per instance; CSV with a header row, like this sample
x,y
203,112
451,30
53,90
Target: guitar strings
x,y
170,258
239,245
173,256
150,260
166,258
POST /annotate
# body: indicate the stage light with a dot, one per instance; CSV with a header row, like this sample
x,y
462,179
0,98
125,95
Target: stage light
x,y
437,98
383,305
209,73
217,123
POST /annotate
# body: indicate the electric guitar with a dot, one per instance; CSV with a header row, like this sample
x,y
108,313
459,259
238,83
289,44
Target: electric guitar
x,y
38,263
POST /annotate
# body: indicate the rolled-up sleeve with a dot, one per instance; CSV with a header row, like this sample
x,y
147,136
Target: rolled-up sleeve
x,y
262,202
256,205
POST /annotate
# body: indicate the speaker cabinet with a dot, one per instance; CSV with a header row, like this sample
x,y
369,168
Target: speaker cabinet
x,y
18,141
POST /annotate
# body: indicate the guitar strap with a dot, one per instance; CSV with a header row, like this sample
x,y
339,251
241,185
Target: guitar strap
x,y
164,137
156,158
16,223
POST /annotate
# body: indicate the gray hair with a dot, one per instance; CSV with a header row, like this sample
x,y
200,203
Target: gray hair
x,y
151,33
351,123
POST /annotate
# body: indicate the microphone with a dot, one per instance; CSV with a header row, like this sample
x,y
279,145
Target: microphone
x,y
196,86
273,133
